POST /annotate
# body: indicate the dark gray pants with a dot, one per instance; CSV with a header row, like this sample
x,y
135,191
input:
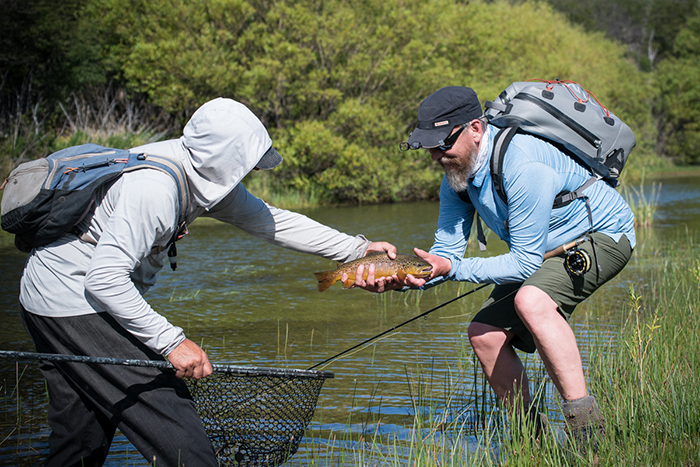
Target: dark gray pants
x,y
87,402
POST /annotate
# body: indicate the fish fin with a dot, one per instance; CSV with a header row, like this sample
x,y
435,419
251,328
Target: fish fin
x,y
401,274
325,279
348,283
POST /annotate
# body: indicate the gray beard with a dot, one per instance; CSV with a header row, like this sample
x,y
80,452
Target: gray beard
x,y
457,177
459,171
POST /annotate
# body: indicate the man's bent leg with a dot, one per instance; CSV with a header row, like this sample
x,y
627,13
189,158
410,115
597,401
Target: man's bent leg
x,y
80,436
503,368
555,341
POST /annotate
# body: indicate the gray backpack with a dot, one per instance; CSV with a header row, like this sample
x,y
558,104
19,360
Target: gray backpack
x,y
47,198
566,115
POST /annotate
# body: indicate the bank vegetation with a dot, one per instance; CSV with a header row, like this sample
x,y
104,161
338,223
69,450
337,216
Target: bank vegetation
x,y
336,83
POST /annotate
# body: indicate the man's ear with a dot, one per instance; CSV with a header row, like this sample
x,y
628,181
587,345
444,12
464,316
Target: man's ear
x,y
476,128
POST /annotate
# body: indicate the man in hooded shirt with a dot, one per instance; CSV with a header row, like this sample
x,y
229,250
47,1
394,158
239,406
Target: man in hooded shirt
x,y
84,296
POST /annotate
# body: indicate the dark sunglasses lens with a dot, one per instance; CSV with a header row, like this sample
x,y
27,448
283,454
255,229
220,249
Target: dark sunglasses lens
x,y
450,140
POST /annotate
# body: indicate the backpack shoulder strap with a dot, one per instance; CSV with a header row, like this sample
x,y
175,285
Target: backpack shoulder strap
x,y
565,198
173,168
464,196
500,145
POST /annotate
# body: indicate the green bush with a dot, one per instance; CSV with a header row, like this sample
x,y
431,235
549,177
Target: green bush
x,y
338,83
678,80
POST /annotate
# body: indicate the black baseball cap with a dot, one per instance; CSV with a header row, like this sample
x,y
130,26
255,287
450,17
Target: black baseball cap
x,y
440,112
269,160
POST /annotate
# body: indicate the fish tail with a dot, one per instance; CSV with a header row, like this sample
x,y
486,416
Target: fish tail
x,y
325,279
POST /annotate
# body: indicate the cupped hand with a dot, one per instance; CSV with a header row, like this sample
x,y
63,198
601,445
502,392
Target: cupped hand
x,y
373,284
441,267
190,361
375,247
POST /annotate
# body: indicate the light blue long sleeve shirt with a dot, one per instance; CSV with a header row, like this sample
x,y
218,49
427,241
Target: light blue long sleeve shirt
x,y
534,172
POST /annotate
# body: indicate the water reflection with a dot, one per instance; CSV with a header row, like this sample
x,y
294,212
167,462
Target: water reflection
x,y
249,303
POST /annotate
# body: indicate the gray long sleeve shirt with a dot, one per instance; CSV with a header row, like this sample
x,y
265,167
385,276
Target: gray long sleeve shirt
x,y
136,217
72,277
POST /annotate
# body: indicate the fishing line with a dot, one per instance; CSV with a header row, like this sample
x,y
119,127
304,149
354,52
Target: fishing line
x,y
334,357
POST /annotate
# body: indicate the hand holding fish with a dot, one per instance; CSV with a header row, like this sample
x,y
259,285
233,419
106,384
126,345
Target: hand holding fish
x,y
373,284
441,267
380,247
374,272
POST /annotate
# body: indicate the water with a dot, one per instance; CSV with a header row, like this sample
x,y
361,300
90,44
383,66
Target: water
x,y
249,303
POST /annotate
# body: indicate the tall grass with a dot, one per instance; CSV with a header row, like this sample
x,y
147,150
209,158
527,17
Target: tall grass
x,y
646,381
648,387
263,186
104,115
111,118
643,204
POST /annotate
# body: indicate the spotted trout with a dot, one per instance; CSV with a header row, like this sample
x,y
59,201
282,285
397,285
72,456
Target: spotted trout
x,y
402,266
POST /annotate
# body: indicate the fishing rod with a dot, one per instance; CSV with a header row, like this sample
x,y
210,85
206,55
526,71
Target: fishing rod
x,y
334,357
165,365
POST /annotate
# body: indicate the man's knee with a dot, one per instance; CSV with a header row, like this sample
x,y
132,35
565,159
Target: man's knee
x,y
532,303
484,337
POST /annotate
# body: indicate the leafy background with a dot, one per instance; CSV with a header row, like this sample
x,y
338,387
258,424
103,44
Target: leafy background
x,y
337,83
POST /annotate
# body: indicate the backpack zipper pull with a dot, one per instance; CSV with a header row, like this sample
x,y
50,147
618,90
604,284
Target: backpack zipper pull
x,y
172,256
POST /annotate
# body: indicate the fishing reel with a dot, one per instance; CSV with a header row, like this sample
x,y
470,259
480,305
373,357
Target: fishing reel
x,y
577,262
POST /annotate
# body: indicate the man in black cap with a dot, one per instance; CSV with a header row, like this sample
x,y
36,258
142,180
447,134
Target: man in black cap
x,y
529,307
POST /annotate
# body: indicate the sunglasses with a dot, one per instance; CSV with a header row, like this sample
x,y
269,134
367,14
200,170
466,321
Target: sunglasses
x,y
450,141
445,145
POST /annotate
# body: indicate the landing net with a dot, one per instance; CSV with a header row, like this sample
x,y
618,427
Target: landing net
x,y
256,416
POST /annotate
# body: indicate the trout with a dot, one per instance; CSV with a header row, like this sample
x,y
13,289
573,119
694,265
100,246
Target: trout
x,y
402,266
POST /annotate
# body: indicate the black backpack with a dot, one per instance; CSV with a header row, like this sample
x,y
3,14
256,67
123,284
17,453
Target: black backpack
x,y
46,198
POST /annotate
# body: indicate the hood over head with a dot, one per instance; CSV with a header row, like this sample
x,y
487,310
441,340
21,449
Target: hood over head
x,y
225,141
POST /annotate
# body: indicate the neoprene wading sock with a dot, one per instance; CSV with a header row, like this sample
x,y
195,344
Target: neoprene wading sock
x,y
584,422
539,421
530,423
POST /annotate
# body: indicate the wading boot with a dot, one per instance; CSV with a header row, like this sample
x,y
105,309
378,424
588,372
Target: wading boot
x,y
584,422
539,421
531,424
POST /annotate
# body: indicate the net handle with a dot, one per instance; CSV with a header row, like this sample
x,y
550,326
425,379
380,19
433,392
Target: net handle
x,y
164,365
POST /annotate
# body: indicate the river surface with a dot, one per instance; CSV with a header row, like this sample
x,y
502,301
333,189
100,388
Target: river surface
x,y
251,304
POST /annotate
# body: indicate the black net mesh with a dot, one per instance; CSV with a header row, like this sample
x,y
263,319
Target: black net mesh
x,y
256,417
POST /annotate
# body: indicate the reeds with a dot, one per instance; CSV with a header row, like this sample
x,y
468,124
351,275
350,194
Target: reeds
x,y
646,381
648,387
109,117
21,415
643,204
104,115
264,186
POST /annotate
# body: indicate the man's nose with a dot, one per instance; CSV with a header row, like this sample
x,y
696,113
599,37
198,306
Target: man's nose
x,y
435,153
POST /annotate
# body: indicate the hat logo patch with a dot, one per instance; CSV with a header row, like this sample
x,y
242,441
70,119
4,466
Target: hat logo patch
x,y
442,123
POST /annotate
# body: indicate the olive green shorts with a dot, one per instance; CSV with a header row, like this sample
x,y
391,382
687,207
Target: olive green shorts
x,y
565,289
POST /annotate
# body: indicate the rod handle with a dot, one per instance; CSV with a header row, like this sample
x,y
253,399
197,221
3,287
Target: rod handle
x,y
564,248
